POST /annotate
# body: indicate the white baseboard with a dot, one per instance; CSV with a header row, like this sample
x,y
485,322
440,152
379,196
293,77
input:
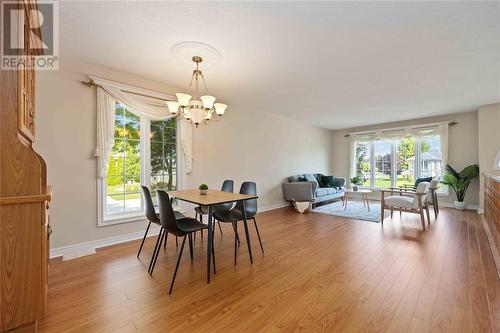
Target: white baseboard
x,y
451,205
83,249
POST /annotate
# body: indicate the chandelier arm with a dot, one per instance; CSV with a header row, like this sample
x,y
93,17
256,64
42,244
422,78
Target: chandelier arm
x,y
204,82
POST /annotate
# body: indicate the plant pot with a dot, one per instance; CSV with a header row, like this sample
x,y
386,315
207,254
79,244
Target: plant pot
x,y
203,192
460,205
355,188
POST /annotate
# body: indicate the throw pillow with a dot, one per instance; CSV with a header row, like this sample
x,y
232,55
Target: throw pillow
x,y
310,178
421,180
302,179
328,181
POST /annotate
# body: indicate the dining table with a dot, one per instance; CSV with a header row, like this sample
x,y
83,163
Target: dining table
x,y
211,199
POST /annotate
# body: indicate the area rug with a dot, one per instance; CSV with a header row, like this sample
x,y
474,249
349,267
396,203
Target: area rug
x,y
355,210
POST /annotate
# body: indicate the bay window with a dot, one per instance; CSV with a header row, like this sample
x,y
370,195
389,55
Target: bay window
x,y
386,162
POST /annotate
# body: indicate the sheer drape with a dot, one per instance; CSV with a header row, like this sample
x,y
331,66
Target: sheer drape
x,y
141,102
396,135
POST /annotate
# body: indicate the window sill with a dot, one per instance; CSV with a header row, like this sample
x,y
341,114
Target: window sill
x,y
130,218
122,219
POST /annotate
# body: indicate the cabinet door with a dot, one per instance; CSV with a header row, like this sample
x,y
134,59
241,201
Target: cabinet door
x,y
46,231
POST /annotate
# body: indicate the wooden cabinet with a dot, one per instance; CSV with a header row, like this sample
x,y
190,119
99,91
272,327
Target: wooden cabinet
x,y
24,200
492,214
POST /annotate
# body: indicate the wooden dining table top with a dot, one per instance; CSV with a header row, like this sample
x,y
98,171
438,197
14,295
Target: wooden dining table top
x,y
213,197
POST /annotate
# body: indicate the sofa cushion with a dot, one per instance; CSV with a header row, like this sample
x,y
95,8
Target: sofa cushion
x,y
321,192
318,178
328,181
310,178
331,190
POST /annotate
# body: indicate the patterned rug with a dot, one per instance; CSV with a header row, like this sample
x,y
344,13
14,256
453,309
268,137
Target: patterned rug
x,y
355,210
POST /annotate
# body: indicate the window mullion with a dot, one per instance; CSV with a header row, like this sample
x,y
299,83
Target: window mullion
x,y
393,165
372,164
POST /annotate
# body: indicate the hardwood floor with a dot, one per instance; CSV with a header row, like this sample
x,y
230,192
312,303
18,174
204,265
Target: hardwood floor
x,y
319,273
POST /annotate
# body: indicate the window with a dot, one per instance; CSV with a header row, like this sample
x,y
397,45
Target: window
x,y
396,163
363,162
144,152
163,156
382,152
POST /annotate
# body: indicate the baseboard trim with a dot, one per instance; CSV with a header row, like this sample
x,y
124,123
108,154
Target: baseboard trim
x,y
451,205
84,249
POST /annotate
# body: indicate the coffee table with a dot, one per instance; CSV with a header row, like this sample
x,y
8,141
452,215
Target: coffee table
x,y
362,192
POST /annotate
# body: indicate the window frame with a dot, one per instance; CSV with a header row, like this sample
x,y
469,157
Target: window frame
x,y
104,219
443,189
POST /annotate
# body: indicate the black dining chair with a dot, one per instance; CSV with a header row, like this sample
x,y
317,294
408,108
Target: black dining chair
x,y
227,186
236,214
178,227
153,217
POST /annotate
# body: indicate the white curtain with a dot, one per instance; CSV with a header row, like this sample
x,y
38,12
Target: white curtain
x,y
399,134
105,130
142,102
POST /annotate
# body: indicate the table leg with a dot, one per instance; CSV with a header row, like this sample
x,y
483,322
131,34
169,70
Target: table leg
x,y
209,242
246,231
367,204
346,198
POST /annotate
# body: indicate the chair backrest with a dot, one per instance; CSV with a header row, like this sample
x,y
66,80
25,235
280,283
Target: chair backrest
x,y
422,188
421,180
250,205
433,184
227,186
150,208
167,216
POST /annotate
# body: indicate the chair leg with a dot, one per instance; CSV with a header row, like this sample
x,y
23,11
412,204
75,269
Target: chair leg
x,y
422,219
165,243
235,228
258,234
428,215
194,236
191,246
220,228
176,242
156,251
143,239
177,265
236,242
382,214
213,252
392,211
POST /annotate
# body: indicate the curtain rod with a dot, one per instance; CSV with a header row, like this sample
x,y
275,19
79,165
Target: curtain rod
x,y
449,122
127,88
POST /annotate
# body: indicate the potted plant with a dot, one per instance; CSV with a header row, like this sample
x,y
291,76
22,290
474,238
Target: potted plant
x,y
460,181
357,181
203,189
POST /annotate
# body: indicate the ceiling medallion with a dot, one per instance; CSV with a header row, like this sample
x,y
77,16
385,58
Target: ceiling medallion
x,y
195,108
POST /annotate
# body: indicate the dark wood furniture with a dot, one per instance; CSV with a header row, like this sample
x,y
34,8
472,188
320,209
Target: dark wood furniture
x,y
24,198
491,218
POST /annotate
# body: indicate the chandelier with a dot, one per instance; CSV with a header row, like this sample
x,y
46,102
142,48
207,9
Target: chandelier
x,y
196,109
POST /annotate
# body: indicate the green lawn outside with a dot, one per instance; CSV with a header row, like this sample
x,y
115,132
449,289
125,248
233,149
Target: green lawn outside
x,y
134,189
385,182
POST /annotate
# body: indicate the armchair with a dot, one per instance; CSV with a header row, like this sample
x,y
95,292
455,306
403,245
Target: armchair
x,y
407,201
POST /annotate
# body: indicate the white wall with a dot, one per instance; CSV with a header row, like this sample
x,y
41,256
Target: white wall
x,y
489,142
462,151
245,145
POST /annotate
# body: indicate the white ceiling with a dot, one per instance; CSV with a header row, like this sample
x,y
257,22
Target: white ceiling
x,y
329,64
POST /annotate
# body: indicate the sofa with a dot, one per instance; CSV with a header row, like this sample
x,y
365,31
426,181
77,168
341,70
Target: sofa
x,y
309,187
